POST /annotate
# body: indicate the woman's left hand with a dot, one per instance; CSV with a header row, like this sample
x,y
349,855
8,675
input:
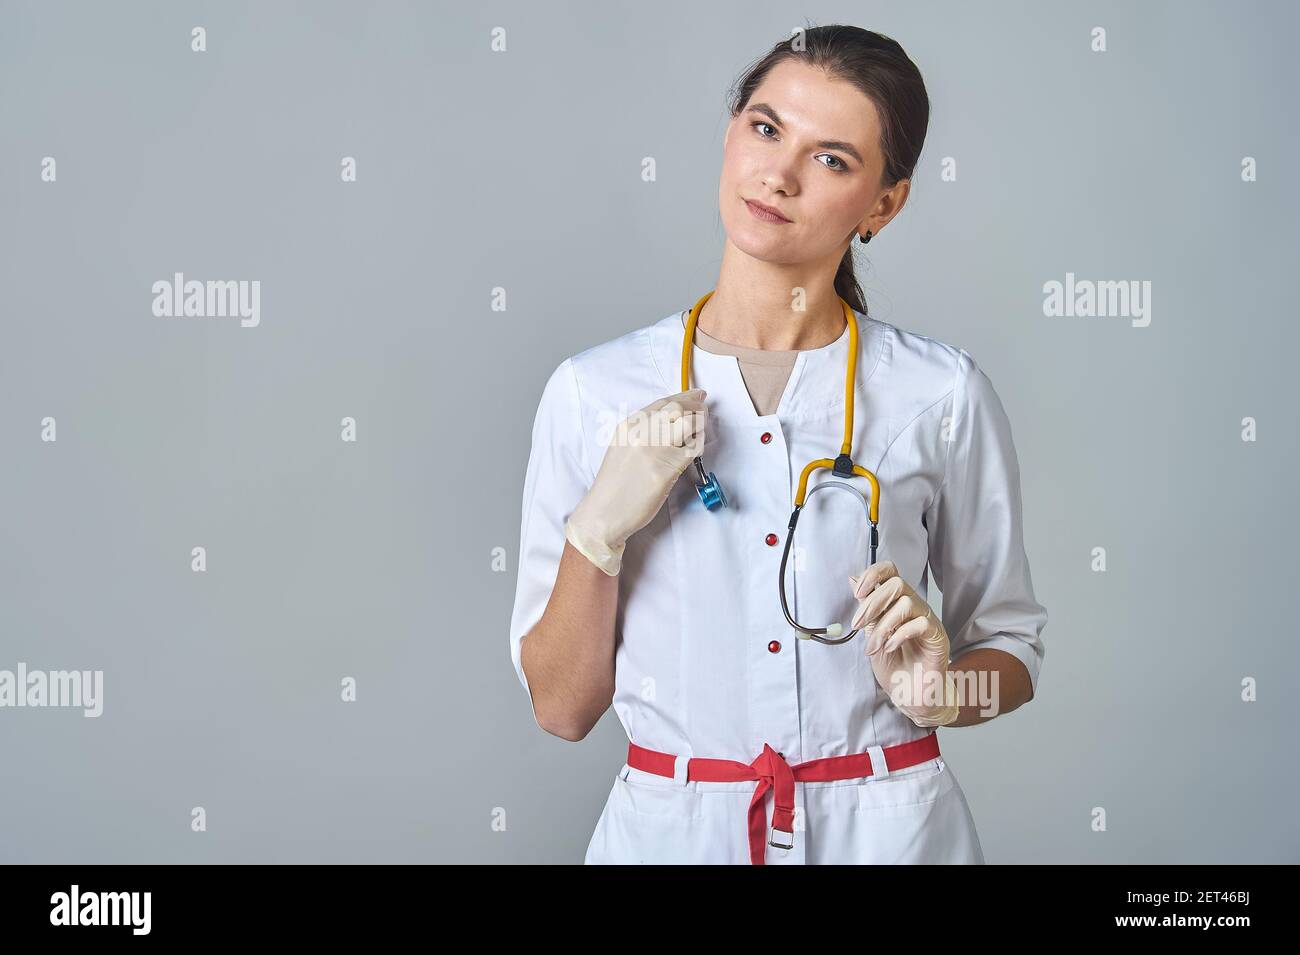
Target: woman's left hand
x,y
907,644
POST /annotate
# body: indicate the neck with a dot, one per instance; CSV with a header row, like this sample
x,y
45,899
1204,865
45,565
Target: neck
x,y
754,305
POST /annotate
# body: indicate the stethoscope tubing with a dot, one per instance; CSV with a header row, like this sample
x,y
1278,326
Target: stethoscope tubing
x,y
713,498
821,634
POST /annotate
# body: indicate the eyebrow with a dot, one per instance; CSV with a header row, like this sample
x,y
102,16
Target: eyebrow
x,y
770,113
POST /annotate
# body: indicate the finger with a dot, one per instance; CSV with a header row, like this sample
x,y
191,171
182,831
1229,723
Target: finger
x,y
869,621
676,431
690,424
875,642
873,576
937,639
859,616
689,399
900,612
895,613
877,602
693,396
914,630
675,406
670,428
696,421
667,410
694,447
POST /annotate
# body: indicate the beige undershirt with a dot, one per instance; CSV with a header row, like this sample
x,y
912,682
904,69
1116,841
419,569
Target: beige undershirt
x,y
765,372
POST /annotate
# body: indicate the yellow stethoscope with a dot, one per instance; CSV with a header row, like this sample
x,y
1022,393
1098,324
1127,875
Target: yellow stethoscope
x,y
712,496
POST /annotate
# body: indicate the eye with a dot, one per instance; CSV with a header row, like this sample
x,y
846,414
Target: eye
x,y
840,164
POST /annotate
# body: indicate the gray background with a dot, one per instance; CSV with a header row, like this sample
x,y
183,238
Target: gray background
x,y
522,170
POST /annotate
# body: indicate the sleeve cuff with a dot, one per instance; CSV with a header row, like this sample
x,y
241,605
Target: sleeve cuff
x,y
516,654
1019,649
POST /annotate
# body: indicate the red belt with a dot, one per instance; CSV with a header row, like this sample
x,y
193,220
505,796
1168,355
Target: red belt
x,y
773,772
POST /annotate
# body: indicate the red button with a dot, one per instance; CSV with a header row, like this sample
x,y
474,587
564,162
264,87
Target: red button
x,y
771,540
774,646
767,437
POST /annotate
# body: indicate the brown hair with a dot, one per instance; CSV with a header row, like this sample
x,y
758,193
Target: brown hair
x,y
878,67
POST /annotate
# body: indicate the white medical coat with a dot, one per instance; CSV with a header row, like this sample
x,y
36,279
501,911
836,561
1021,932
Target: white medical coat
x,y
698,602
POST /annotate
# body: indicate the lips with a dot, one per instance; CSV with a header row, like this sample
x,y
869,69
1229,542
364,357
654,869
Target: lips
x,y
766,212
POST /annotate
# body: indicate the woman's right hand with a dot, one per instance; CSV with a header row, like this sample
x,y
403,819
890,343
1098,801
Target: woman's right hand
x,y
647,454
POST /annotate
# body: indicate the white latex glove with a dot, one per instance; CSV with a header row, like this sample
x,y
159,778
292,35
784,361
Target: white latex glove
x,y
647,454
907,644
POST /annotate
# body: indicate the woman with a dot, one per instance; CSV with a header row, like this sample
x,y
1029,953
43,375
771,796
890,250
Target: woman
x,y
746,743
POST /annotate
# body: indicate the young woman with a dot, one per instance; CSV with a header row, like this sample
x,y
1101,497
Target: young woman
x,y
757,732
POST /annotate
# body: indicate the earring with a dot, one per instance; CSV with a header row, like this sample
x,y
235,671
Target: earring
x,y
865,239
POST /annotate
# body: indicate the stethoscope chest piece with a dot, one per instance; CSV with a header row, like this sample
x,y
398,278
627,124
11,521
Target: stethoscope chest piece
x,y
709,489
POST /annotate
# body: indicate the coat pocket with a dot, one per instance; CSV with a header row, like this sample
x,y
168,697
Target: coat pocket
x,y
917,817
644,794
647,822
914,786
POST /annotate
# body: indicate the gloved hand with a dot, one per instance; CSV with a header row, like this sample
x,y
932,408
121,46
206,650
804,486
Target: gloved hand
x,y
907,644
647,454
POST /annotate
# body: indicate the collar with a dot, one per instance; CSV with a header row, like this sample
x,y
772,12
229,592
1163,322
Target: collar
x,y
814,391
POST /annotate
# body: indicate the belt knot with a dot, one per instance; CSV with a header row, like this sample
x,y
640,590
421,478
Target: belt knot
x,y
774,773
